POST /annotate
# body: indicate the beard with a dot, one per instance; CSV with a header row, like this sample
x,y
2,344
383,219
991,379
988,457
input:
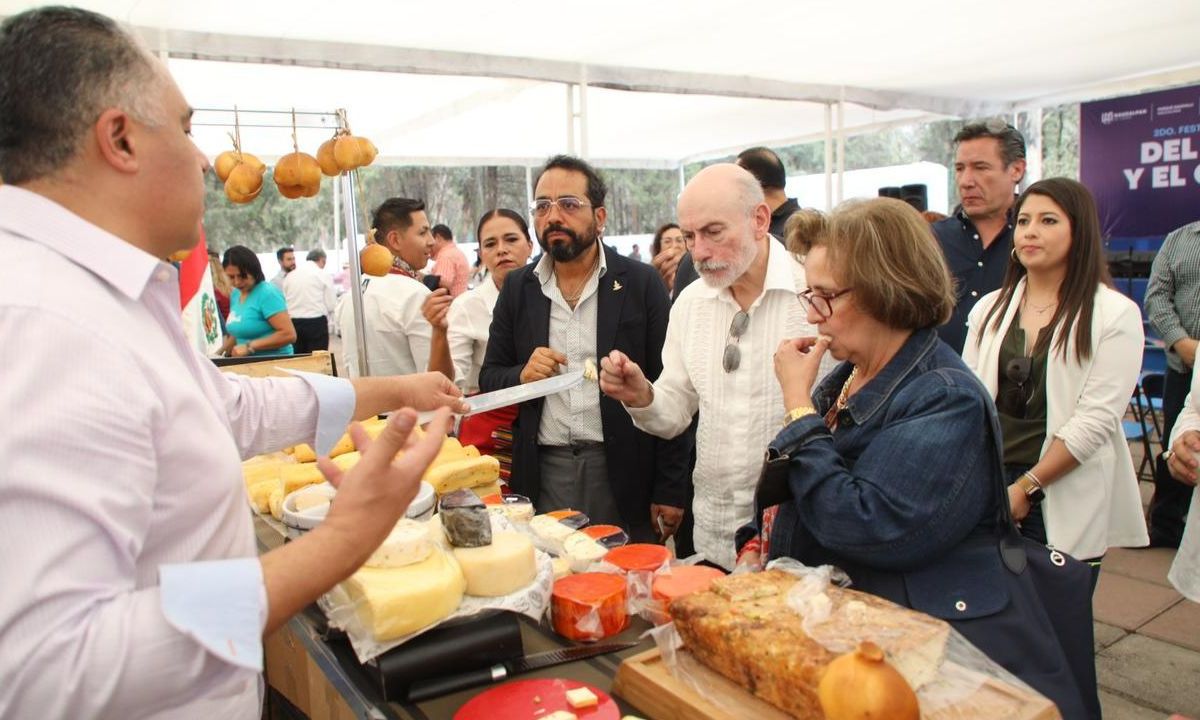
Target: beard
x,y
568,251
721,275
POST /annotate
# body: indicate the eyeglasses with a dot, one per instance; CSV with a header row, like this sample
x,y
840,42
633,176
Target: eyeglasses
x,y
821,303
568,204
732,357
1017,370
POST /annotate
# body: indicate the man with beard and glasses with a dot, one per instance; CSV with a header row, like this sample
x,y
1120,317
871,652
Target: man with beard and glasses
x,y
718,355
580,301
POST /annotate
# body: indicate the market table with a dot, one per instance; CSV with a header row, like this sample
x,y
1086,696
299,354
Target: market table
x,y
316,670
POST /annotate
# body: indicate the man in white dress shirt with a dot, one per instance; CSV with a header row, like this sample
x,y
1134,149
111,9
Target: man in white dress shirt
x,y
308,291
718,355
397,334
132,588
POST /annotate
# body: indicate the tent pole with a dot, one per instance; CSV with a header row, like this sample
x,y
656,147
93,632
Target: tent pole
x,y
528,187
337,206
583,113
828,157
841,146
360,335
682,178
570,121
1034,157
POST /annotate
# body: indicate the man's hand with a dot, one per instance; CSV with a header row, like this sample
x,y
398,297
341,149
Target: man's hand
x,y
436,307
1184,457
797,362
665,519
1186,349
373,495
622,380
430,391
543,363
1018,502
666,263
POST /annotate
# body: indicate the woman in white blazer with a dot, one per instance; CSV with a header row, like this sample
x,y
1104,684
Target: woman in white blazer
x,y
1183,460
1060,351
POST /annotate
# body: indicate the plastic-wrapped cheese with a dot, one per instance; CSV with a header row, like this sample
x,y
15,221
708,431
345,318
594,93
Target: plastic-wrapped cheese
x,y
639,557
683,580
589,606
516,508
406,544
581,550
394,602
550,532
505,566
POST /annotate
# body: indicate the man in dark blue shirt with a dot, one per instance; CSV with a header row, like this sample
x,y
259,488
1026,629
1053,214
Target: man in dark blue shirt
x,y
977,239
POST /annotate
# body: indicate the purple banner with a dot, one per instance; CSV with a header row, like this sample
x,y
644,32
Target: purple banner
x,y
1140,157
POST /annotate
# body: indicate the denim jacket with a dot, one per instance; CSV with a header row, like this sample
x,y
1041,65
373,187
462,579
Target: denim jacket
x,y
903,497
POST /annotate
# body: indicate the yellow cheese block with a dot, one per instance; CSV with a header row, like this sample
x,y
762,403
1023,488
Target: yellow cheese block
x,y
255,472
394,602
260,494
465,473
275,503
505,566
298,475
343,446
347,460
304,453
490,489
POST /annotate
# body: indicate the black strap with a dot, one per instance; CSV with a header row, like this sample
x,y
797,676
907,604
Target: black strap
x,y
1012,549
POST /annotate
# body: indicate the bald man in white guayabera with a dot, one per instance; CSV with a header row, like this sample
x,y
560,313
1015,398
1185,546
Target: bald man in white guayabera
x,y
718,355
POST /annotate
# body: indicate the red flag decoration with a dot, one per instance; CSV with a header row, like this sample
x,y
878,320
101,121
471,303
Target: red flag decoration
x,y
197,300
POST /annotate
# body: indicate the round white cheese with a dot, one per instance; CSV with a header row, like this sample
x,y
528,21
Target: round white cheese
x,y
407,544
581,550
505,566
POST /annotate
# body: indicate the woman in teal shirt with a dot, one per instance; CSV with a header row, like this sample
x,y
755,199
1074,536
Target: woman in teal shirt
x,y
258,322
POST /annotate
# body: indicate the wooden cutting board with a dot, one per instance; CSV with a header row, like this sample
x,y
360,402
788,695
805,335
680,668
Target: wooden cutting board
x,y
647,683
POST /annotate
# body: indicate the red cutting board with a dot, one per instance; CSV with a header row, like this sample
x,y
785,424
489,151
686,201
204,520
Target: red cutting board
x,y
516,701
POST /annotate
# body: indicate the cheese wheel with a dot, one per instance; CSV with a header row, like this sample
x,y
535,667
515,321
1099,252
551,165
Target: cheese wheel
x,y
298,475
406,544
683,580
505,566
582,551
394,602
463,473
639,557
589,606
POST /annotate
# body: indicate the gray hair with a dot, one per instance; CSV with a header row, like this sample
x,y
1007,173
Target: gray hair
x,y
60,68
315,255
1012,143
749,191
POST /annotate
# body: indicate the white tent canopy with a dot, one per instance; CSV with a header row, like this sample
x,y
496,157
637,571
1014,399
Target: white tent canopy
x,y
648,84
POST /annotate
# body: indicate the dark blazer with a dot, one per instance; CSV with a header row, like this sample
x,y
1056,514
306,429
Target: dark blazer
x,y
632,317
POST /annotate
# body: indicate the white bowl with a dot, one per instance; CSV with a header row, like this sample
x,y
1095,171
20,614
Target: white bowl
x,y
421,508
299,522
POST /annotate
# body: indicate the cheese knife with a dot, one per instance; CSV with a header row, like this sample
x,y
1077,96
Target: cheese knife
x,y
434,687
515,394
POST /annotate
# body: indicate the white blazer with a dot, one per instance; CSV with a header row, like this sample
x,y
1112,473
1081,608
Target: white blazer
x,y
1185,571
1097,505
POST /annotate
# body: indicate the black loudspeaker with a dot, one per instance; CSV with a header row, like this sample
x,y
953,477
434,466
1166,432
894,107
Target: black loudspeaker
x,y
916,195
890,192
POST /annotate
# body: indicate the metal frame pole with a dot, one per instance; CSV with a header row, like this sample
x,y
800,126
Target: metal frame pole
x,y
348,181
828,157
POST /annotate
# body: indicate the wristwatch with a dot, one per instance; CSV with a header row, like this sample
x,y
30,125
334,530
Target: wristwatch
x,y
1032,489
796,413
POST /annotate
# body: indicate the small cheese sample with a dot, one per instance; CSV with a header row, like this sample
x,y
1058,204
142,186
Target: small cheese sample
x,y
589,606
503,567
298,475
581,550
465,519
408,543
275,503
463,473
561,715
550,532
394,602
590,371
639,557
304,453
581,698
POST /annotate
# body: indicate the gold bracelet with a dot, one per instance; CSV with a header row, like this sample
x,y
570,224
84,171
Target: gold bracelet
x,y
796,413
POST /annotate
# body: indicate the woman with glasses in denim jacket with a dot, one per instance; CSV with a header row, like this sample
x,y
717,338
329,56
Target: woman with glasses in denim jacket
x,y
1060,351
891,463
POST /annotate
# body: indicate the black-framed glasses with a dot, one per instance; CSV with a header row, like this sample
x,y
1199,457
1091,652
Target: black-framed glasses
x,y
821,303
732,357
569,204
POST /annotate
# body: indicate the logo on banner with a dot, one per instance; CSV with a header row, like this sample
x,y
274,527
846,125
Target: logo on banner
x,y
208,314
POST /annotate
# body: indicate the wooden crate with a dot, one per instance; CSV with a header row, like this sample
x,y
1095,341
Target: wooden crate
x,y
646,682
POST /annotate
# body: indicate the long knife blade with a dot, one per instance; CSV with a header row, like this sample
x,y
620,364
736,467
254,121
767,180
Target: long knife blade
x,y
516,394
425,689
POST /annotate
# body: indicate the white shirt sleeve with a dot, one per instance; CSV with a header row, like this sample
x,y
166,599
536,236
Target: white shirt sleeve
x,y
1189,417
675,399
461,334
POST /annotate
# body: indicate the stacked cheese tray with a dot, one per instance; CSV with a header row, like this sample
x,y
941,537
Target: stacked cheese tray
x,y
465,559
